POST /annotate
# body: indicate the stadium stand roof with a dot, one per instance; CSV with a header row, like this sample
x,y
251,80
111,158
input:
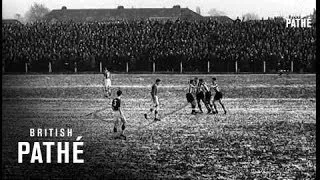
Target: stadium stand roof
x,y
121,13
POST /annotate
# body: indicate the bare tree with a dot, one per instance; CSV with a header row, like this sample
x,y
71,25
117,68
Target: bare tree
x,y
279,18
314,16
198,10
19,17
250,16
36,13
215,12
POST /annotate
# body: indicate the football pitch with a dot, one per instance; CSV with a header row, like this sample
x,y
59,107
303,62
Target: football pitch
x,y
269,130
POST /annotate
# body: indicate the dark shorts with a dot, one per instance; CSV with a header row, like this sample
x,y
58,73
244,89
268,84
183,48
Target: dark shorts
x,y
200,96
207,96
189,97
218,96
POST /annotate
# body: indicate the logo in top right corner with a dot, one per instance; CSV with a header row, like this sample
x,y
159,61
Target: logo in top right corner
x,y
298,22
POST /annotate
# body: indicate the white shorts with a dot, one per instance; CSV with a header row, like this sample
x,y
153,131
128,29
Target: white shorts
x,y
118,117
155,101
107,82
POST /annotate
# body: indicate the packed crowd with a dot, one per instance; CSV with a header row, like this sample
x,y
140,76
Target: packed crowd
x,y
154,40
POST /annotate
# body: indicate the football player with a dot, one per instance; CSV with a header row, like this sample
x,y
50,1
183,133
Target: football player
x,y
191,94
205,95
217,96
199,94
107,83
155,100
118,114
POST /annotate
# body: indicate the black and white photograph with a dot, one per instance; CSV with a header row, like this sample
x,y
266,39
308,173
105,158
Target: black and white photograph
x,y
149,89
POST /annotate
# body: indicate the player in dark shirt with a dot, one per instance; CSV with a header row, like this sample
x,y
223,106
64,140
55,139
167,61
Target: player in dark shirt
x,y
118,114
217,96
155,100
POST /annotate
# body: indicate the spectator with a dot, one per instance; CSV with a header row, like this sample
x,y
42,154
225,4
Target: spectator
x,y
155,40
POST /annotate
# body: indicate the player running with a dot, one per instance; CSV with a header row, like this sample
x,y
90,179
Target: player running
x,y
107,83
155,100
118,115
217,96
191,94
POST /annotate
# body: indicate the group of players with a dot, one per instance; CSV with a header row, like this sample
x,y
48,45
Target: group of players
x,y
198,91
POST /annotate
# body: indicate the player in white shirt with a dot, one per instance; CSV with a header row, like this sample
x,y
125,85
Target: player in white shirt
x,y
107,83
206,95
192,90
217,96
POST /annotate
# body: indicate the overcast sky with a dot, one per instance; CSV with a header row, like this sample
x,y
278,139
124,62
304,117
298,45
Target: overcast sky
x,y
232,8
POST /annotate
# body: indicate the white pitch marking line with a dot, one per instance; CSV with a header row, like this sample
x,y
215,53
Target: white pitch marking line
x,y
162,86
143,99
157,74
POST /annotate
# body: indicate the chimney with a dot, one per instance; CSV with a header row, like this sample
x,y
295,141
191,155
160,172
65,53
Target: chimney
x,y
176,7
120,7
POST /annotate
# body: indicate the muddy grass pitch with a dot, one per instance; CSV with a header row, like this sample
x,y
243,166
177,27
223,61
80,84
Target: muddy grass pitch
x,y
268,132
